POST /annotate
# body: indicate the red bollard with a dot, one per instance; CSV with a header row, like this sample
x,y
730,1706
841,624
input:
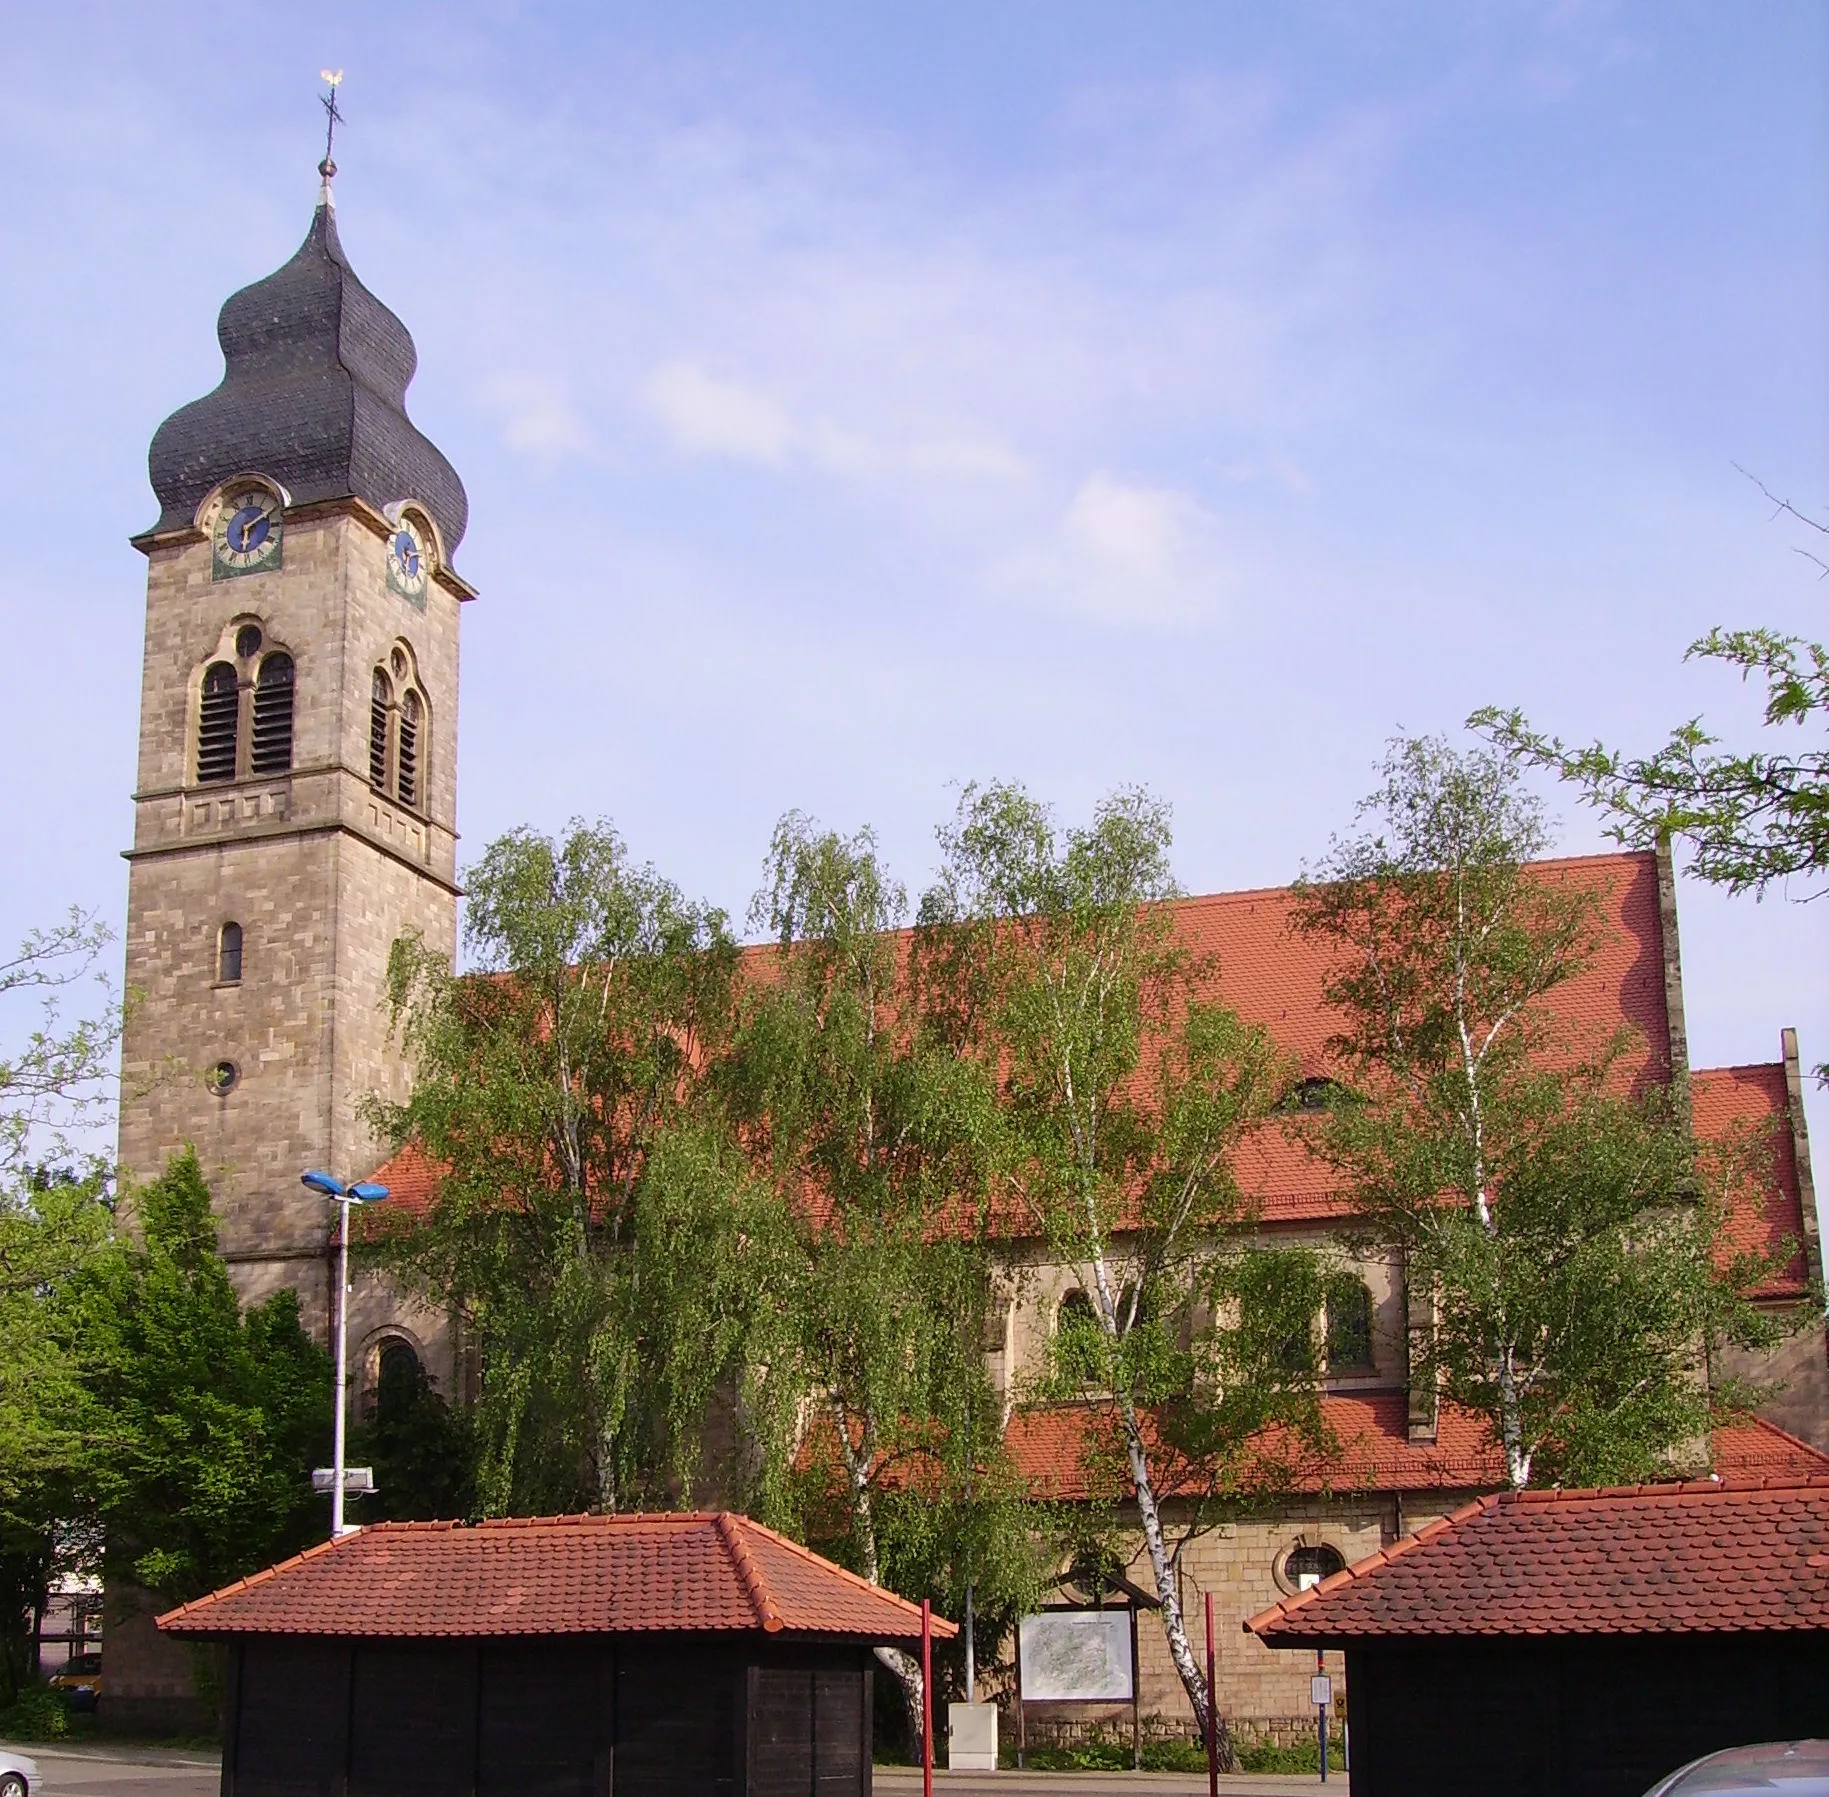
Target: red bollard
x,y
1212,1709
927,1698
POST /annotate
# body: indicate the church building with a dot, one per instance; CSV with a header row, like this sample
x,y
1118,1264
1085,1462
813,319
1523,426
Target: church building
x,y
296,813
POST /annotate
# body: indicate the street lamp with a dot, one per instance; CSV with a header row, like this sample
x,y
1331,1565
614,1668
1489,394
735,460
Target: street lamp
x,y
363,1192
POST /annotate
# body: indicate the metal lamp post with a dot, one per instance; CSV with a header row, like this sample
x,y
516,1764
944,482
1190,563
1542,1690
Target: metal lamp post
x,y
363,1192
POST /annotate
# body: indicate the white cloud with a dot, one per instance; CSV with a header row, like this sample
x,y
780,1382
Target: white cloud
x,y
538,416
1125,554
707,416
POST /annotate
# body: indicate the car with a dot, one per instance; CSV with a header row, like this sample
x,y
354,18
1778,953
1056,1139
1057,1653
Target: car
x,y
17,1774
80,1680
1789,1768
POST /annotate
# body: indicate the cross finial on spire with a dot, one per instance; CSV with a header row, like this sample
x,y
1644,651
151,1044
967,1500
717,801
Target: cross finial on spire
x,y
333,118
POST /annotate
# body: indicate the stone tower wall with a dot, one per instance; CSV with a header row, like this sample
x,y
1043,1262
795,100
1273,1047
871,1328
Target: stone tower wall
x,y
320,870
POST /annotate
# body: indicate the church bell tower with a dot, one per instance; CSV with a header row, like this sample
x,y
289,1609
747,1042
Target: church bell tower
x,y
296,805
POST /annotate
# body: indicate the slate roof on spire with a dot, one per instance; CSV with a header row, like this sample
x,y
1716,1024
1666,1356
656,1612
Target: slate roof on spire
x,y
313,395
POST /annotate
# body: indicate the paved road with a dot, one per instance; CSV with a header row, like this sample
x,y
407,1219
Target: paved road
x,y
123,1772
901,1781
159,1772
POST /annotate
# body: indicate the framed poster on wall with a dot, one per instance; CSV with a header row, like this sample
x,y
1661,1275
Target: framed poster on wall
x,y
1079,1656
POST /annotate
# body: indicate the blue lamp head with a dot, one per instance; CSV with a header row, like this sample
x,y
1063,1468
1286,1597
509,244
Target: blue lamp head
x,y
322,1182
367,1192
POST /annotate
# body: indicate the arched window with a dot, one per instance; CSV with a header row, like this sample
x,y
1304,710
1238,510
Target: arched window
x,y
380,704
397,724
1145,1309
407,753
1349,1324
398,1375
218,724
228,955
273,716
1080,1351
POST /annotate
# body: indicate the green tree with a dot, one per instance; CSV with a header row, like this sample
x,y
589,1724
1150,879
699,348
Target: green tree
x,y
422,1449
1749,818
589,1223
1121,1092
55,1214
1574,1249
199,1422
880,1281
56,1084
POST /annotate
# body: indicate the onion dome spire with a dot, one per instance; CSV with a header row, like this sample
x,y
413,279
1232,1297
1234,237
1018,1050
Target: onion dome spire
x,y
313,393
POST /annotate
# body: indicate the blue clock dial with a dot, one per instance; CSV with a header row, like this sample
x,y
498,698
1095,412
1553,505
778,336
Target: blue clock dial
x,y
247,532
248,529
408,564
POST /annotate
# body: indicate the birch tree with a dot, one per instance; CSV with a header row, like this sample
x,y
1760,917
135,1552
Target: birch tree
x,y
1122,1091
879,1282
1549,1204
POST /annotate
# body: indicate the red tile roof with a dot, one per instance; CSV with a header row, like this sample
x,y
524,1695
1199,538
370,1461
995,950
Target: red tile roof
x,y
1746,1110
565,1575
1050,1446
1756,1449
1274,977
1710,1556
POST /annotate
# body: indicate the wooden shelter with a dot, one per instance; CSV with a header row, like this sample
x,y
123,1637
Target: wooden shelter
x,y
580,1656
1578,1643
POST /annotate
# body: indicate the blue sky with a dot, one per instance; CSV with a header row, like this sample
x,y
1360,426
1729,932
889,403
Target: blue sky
x,y
855,400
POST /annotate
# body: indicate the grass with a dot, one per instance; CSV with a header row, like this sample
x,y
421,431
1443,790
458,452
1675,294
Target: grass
x,y
41,1716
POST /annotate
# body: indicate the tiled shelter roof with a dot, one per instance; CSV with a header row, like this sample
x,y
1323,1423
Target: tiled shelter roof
x,y
1709,1556
567,1575
1049,1443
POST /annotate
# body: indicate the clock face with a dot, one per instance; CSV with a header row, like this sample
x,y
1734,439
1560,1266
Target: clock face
x,y
407,565
247,534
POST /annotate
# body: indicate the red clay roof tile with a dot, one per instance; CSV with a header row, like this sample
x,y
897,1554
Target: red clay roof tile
x,y
1710,1556
1274,977
1049,1444
564,1575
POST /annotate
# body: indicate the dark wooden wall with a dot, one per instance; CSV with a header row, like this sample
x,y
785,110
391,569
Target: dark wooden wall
x,y
1577,1717
558,1717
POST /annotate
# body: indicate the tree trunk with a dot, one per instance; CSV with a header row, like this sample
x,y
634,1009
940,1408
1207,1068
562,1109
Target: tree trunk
x,y
1174,1624
906,1668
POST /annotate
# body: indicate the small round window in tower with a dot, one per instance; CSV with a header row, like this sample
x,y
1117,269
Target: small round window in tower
x,y
400,664
247,641
223,1078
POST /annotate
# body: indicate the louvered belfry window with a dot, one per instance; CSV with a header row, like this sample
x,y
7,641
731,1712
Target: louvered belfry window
x,y
218,724
273,716
407,753
381,695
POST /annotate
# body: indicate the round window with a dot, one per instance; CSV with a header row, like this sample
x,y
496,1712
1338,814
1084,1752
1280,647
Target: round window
x,y
399,660
1307,1564
223,1078
247,641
